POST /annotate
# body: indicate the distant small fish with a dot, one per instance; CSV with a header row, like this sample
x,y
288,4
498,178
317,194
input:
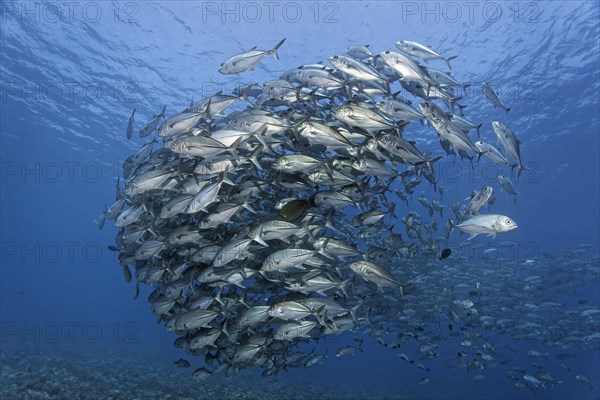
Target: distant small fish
x,y
490,252
423,367
445,254
507,185
201,374
360,52
537,354
130,123
102,218
181,363
585,380
405,358
492,96
347,351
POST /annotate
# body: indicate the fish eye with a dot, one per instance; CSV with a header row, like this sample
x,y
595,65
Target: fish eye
x,y
335,57
508,222
386,52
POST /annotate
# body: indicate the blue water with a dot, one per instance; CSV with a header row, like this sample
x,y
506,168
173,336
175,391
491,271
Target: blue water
x,y
72,72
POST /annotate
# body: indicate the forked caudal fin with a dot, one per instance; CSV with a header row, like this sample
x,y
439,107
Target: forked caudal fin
x,y
448,59
277,46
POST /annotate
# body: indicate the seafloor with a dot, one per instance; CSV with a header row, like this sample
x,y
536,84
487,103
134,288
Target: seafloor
x,y
47,373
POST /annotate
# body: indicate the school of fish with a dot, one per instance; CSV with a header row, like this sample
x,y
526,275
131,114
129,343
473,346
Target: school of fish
x,y
270,217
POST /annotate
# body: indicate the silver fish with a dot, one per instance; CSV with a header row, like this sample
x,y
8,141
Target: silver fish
x,y
490,224
421,51
130,123
492,96
247,60
509,141
153,123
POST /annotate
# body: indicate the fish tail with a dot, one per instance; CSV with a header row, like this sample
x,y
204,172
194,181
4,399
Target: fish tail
x,y
259,135
453,101
388,83
298,89
244,95
322,250
256,237
218,296
306,226
248,207
431,161
392,211
452,226
225,330
479,154
395,94
277,46
465,86
226,180
368,315
344,284
353,313
521,169
233,149
448,59
329,223
360,208
400,127
254,157
153,233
